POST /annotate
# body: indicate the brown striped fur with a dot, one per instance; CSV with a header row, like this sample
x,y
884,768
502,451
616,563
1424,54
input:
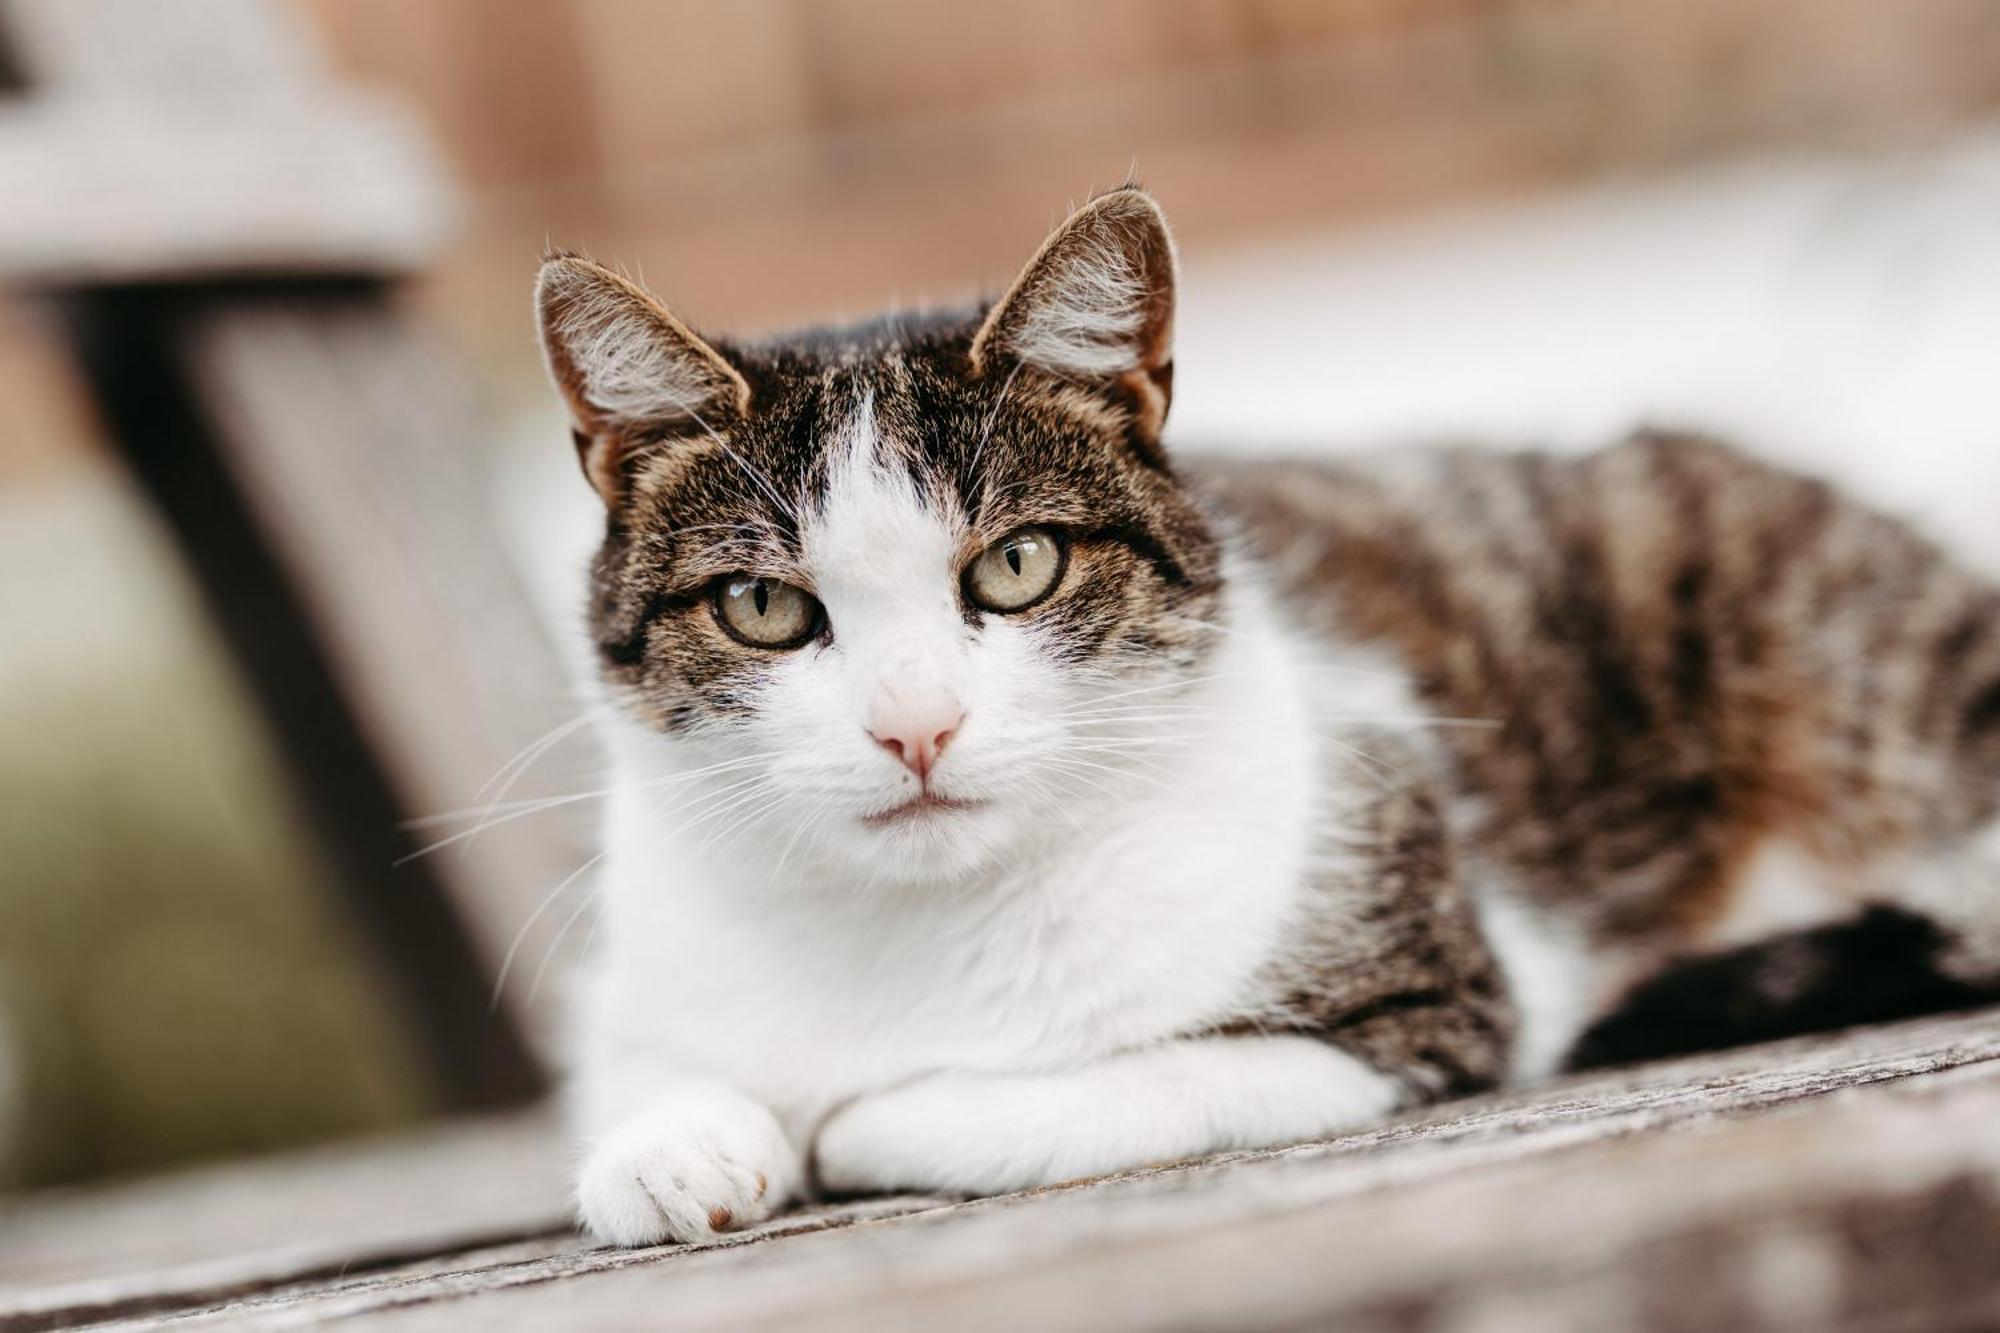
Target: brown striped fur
x,y
1687,653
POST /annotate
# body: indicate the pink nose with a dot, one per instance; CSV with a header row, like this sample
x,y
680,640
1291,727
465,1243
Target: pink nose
x,y
917,736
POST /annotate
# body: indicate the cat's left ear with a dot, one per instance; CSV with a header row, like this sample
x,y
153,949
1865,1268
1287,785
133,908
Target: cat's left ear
x,y
628,369
1096,306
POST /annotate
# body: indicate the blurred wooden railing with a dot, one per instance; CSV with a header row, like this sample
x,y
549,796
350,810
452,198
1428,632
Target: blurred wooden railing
x,y
219,224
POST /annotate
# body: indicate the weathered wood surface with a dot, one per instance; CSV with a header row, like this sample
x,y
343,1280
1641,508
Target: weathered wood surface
x,y
1847,1181
191,50
185,1237
356,450
318,459
97,193
198,140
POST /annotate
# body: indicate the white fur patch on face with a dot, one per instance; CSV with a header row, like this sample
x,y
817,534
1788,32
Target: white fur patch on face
x,y
882,555
880,552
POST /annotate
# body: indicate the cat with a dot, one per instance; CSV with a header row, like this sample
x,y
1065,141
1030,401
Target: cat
x,y
999,799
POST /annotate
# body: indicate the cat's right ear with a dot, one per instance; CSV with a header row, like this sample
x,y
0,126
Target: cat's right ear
x,y
1096,306
629,371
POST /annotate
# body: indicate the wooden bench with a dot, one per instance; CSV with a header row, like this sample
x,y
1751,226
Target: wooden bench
x,y
1845,1181
220,227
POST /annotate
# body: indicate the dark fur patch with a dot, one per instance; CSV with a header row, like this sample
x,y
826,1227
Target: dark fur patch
x,y
1879,967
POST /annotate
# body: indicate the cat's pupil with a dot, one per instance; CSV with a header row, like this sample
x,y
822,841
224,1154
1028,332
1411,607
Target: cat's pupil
x,y
762,593
1014,556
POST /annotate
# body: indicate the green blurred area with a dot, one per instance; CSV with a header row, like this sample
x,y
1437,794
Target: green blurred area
x,y
174,981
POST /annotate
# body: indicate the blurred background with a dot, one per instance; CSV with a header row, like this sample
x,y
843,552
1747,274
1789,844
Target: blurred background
x,y
290,532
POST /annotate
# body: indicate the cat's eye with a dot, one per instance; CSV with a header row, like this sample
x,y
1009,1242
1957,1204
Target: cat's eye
x,y
1017,571
765,613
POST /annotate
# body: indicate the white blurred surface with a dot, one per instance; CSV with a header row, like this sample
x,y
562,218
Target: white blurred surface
x,y
1840,315
1843,317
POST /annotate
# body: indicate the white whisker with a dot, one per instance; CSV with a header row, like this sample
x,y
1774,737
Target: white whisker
x,y
549,954
507,962
518,809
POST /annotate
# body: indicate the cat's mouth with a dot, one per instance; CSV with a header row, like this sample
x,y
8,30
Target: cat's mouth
x,y
928,805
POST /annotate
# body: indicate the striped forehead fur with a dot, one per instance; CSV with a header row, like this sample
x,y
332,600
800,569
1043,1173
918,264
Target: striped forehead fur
x,y
875,503
896,411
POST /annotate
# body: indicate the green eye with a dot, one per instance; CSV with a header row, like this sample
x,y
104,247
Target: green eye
x,y
765,613
1017,571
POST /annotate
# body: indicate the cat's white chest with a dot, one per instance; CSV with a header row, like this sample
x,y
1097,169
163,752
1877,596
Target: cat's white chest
x,y
1151,928
1156,916
1151,923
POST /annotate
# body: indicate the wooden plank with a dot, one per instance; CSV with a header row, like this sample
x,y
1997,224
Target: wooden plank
x,y
123,191
159,1242
357,452
1820,1211
189,50
315,456
200,140
135,348
1596,1193
1880,1212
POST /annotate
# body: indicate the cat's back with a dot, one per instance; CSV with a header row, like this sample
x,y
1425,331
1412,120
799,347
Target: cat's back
x,y
1684,652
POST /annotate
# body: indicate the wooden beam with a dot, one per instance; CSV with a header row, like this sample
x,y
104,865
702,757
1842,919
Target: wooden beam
x,y
186,51
173,427
158,1244
122,191
1831,1181
219,218
356,453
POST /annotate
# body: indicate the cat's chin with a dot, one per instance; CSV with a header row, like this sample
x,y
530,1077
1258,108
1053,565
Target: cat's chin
x,y
928,840
927,809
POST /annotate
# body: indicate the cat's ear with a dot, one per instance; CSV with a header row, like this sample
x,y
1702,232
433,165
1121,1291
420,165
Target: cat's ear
x,y
628,369
1096,305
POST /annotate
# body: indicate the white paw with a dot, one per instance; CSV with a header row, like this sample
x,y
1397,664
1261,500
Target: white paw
x,y
944,1133
695,1163
990,1133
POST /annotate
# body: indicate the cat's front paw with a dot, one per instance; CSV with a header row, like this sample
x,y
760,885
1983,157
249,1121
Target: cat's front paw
x,y
695,1163
941,1134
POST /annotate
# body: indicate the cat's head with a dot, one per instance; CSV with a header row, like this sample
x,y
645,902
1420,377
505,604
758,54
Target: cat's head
x,y
917,581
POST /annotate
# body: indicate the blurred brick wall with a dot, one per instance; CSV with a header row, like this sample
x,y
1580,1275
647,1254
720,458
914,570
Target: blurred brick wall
x,y
920,146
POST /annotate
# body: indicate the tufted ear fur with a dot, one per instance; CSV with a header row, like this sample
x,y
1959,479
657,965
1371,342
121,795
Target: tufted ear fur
x,y
628,369
1096,305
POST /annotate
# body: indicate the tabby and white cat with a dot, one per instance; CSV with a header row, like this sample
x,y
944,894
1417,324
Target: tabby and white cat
x,y
998,800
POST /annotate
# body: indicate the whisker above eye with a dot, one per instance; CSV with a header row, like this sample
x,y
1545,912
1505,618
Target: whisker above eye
x,y
762,482
999,399
1418,720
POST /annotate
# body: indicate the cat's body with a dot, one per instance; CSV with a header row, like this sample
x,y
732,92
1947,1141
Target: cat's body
x,y
1729,702
995,802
